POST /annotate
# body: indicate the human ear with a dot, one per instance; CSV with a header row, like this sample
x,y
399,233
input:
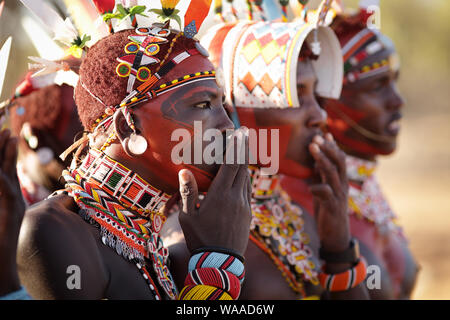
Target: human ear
x,y
132,143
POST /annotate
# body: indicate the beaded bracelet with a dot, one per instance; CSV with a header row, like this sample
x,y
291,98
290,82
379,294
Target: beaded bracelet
x,y
219,250
345,280
218,278
218,260
213,276
203,292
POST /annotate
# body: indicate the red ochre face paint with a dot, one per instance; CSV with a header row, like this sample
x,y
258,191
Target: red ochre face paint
x,y
200,102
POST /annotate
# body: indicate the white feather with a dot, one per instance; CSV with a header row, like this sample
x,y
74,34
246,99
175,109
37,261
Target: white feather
x,y
4,55
45,66
63,30
59,78
45,46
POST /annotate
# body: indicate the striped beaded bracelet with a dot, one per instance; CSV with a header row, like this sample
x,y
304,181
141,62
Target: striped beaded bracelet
x,y
345,280
203,292
215,277
218,260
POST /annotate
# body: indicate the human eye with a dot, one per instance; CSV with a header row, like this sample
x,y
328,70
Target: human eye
x,y
203,105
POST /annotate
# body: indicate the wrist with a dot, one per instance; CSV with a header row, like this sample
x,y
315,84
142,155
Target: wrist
x,y
348,256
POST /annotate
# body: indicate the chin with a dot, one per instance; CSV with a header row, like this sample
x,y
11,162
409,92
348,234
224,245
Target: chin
x,y
385,149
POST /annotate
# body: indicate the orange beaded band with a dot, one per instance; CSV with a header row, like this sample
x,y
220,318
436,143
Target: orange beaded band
x,y
345,280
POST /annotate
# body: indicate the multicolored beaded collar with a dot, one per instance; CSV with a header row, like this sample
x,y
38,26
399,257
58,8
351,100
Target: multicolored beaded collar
x,y
366,200
277,228
128,212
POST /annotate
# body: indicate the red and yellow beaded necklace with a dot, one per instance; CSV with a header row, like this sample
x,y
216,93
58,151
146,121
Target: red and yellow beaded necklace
x,y
128,212
277,228
366,201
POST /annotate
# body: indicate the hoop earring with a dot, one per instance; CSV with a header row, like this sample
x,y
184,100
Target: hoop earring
x,y
136,144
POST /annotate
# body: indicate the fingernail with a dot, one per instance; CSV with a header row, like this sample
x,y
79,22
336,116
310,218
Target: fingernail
x,y
314,148
183,175
329,137
319,140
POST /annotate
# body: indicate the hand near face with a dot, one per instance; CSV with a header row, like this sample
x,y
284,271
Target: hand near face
x,y
12,208
223,217
330,194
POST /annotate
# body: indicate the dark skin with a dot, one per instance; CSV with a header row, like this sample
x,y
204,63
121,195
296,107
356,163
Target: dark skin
x,y
52,228
58,140
379,100
12,209
298,127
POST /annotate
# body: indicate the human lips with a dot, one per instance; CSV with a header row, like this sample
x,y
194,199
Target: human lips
x,y
393,127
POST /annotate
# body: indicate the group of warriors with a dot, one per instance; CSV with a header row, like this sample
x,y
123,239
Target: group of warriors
x,y
142,226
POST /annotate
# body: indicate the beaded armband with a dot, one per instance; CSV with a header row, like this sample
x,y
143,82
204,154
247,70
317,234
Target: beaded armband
x,y
213,276
345,280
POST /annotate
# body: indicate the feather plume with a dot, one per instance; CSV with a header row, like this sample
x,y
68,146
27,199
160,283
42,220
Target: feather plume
x,y
4,55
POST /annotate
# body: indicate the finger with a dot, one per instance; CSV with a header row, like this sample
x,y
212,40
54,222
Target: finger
x,y
242,174
249,190
322,192
188,191
327,170
228,171
333,152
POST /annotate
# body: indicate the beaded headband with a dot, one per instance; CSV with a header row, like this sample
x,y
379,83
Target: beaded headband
x,y
259,58
140,52
259,61
364,44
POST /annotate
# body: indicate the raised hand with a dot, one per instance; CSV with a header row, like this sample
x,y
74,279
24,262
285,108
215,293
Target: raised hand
x,y
330,194
12,208
223,218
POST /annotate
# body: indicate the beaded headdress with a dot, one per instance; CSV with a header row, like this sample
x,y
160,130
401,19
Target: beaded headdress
x,y
261,57
363,42
148,56
360,41
151,52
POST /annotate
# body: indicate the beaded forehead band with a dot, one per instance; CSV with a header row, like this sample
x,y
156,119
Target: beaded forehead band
x,y
363,45
139,56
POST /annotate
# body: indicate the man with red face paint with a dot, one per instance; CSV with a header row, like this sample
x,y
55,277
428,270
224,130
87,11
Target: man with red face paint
x,y
270,75
100,237
365,123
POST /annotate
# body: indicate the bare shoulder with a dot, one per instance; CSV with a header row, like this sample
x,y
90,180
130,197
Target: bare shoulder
x,y
47,221
54,242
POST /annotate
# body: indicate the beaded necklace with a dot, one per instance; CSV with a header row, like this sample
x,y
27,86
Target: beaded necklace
x,y
277,227
106,191
366,200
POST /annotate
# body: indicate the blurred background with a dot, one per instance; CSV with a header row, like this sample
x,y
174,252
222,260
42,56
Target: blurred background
x,y
416,179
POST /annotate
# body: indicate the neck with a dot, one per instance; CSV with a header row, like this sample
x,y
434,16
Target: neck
x,y
159,179
121,183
